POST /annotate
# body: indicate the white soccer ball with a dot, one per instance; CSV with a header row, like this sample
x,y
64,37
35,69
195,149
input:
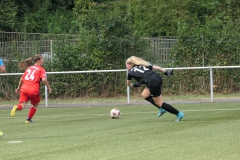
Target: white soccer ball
x,y
115,113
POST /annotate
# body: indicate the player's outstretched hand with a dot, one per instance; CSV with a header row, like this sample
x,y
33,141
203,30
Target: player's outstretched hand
x,y
169,73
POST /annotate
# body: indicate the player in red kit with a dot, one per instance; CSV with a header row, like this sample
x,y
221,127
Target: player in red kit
x,y
29,85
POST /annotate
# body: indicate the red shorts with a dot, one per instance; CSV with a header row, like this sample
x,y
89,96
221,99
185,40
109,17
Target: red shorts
x,y
25,97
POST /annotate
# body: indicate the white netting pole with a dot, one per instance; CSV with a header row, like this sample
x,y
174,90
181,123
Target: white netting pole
x,y
211,83
46,96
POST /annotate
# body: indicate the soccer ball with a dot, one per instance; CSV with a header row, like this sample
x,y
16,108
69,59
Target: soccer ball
x,y
115,113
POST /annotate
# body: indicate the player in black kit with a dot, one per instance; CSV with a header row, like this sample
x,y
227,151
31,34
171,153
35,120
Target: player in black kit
x,y
142,72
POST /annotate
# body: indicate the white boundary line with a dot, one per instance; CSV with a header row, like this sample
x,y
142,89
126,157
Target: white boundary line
x,y
14,142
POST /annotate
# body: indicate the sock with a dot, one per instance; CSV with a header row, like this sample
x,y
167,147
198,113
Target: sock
x,y
150,99
169,108
19,107
31,112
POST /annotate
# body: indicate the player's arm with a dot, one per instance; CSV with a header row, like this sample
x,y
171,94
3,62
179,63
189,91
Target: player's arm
x,y
44,80
2,67
166,72
159,69
19,85
130,84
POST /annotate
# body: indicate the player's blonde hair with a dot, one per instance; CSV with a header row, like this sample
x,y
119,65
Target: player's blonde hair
x,y
135,61
23,65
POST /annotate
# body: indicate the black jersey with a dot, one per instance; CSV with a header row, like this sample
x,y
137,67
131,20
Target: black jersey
x,y
141,73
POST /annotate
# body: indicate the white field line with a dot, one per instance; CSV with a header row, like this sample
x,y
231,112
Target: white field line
x,y
104,114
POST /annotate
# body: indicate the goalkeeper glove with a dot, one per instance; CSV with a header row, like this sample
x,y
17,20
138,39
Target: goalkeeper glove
x,y
169,73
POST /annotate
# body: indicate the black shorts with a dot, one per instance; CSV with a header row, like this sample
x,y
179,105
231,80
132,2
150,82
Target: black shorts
x,y
154,84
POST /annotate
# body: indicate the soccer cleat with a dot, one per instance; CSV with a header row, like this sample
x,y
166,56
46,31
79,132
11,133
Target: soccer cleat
x,y
29,121
13,111
161,112
180,115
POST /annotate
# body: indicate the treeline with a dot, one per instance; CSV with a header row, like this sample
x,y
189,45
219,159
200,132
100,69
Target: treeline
x,y
207,30
201,26
150,18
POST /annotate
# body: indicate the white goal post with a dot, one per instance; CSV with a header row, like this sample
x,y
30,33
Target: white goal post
x,y
125,70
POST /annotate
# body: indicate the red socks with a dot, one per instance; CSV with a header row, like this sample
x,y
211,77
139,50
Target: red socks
x,y
31,112
19,107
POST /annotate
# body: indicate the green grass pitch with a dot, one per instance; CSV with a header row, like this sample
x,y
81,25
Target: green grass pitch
x,y
208,131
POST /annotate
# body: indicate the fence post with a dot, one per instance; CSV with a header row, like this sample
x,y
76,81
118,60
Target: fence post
x,y
128,92
46,96
211,83
51,49
128,95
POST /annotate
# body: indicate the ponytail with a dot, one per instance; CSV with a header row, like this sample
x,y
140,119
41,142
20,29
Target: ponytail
x,y
23,65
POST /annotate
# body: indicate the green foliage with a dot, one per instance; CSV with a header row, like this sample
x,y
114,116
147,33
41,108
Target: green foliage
x,y
144,18
37,16
8,12
160,17
216,43
62,23
109,32
106,41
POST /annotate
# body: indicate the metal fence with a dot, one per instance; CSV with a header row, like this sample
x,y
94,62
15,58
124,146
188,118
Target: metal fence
x,y
18,46
128,94
15,46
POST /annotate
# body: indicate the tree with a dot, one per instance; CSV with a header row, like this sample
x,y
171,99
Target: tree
x,y
160,17
8,12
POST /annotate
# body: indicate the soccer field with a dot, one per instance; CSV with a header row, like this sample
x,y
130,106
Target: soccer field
x,y
208,131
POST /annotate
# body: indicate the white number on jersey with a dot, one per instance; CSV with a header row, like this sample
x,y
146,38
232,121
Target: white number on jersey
x,y
30,75
139,70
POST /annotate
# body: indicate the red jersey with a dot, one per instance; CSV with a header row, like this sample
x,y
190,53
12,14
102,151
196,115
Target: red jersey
x,y
32,78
